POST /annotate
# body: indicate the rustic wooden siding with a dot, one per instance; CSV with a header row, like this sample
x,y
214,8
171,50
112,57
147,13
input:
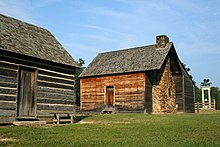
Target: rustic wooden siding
x,y
129,92
8,90
55,89
178,79
148,102
162,102
188,93
55,92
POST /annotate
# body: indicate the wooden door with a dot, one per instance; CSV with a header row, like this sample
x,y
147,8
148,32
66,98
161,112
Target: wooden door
x,y
26,93
110,95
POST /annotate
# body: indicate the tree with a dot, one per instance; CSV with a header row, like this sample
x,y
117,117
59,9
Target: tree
x,y
206,82
188,70
215,94
198,94
81,62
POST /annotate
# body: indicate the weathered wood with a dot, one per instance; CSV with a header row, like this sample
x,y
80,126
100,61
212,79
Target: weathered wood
x,y
27,94
55,85
56,80
56,90
8,79
8,90
55,96
7,97
148,99
9,85
55,101
8,65
7,113
57,107
7,105
129,90
6,72
56,74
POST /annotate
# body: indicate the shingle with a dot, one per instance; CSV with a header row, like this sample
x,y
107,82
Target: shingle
x,y
23,38
127,60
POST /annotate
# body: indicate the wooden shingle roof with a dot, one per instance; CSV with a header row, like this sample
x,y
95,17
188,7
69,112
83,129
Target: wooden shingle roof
x,y
23,38
129,60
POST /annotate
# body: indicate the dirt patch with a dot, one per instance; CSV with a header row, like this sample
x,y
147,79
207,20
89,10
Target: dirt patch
x,y
102,122
7,140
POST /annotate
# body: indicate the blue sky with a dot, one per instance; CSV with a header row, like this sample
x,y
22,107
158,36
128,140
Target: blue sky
x,y
88,27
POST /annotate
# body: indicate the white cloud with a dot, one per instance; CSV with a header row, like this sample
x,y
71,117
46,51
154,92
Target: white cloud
x,y
17,9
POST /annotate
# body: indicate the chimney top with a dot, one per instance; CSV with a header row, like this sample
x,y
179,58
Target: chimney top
x,y
161,41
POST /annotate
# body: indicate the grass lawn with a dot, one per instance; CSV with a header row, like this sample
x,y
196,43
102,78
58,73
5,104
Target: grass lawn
x,y
121,130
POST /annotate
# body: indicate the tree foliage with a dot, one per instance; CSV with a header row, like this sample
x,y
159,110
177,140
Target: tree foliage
x,y
206,82
81,62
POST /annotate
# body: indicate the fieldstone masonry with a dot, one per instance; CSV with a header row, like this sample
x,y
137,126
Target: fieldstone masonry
x,y
164,98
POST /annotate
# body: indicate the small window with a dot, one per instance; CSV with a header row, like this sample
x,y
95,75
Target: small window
x,y
169,92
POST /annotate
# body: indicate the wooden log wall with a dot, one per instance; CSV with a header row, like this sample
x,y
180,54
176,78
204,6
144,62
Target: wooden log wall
x,y
55,92
8,90
129,92
188,93
148,101
178,80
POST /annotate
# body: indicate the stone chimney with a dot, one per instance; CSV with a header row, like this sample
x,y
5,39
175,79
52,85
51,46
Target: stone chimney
x,y
161,41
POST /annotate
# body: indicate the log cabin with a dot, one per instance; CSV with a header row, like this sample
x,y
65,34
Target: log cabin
x,y
148,79
36,73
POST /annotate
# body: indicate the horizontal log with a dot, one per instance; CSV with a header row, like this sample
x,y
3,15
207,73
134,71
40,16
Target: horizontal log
x,y
129,100
9,73
7,105
55,90
8,91
8,85
6,97
7,65
71,77
55,107
8,79
56,101
55,96
50,79
46,84
8,113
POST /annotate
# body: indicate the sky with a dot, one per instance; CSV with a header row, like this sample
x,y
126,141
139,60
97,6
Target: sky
x,y
88,27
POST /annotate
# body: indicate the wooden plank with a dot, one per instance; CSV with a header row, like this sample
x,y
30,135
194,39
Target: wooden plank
x,y
8,66
8,79
55,90
55,85
8,90
7,97
56,74
7,113
7,105
6,72
8,85
55,80
41,106
55,96
55,101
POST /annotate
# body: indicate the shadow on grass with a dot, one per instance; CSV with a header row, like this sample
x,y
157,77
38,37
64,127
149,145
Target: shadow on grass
x,y
81,117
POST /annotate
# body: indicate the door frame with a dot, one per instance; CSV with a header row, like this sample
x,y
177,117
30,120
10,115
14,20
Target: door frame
x,y
28,68
105,95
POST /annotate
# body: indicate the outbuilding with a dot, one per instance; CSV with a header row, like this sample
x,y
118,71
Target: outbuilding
x,y
36,73
148,79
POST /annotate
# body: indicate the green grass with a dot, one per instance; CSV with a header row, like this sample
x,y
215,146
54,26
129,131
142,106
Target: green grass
x,y
121,130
